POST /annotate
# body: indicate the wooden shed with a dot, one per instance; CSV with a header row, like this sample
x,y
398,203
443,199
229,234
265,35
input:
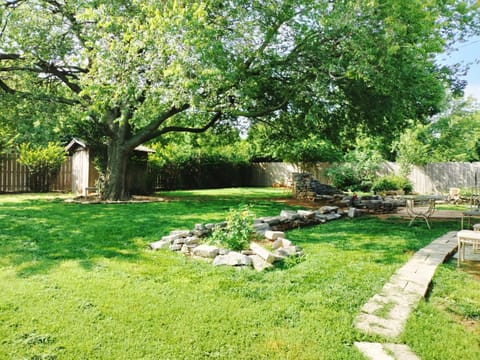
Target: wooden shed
x,y
85,176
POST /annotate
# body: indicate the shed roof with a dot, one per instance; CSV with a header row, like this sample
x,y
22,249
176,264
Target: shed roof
x,y
75,143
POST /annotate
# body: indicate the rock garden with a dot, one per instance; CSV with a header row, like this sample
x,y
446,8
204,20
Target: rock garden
x,y
259,243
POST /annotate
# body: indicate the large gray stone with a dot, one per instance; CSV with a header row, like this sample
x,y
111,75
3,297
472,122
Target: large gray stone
x,y
206,251
308,214
328,209
330,217
191,240
286,251
160,244
233,258
262,252
261,228
281,242
354,212
176,247
179,241
291,214
273,235
260,264
172,238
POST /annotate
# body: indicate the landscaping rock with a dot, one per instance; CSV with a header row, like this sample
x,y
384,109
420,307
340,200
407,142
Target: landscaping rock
x,y
176,247
261,228
259,264
171,238
248,252
191,240
222,251
273,235
328,209
286,251
206,251
262,252
330,217
199,227
210,226
272,220
181,233
179,241
160,244
354,212
233,258
308,214
271,227
291,214
321,217
281,242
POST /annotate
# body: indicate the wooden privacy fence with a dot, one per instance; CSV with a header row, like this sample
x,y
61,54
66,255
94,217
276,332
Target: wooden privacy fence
x,y
430,179
14,177
433,178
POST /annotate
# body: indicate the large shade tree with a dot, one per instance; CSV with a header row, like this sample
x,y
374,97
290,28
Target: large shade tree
x,y
128,71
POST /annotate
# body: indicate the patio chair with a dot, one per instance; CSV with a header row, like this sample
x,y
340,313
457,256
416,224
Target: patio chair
x,y
454,195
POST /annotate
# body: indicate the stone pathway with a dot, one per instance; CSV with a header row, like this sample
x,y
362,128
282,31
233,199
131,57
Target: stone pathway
x,y
386,313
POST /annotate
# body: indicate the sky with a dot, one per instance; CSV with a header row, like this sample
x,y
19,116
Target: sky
x,y
468,52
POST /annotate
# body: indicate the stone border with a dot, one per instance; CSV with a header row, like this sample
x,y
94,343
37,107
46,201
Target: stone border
x,y
399,297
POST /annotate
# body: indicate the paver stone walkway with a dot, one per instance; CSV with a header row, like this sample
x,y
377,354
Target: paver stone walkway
x,y
386,313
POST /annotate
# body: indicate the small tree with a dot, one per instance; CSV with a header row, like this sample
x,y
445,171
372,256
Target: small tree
x,y
359,167
42,163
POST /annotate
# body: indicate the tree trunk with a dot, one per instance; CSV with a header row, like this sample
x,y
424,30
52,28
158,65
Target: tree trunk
x,y
115,187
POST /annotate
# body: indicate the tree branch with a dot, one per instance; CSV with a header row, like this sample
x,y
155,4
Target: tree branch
x,y
6,88
259,113
46,67
6,56
151,130
35,97
61,75
207,126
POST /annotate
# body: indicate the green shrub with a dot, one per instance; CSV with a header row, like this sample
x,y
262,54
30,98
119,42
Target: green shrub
x,y
357,170
42,162
347,177
239,230
392,183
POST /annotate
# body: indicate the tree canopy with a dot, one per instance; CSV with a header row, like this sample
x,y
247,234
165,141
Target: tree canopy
x,y
452,135
126,72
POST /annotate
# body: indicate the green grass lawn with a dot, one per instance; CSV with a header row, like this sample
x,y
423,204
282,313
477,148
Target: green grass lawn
x,y
78,282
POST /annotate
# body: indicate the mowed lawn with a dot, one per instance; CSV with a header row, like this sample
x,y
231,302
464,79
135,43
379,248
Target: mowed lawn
x,y
78,282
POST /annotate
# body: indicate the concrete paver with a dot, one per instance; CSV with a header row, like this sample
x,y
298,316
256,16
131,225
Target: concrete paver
x,y
386,313
377,351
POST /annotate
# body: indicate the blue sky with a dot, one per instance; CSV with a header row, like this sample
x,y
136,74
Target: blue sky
x,y
468,52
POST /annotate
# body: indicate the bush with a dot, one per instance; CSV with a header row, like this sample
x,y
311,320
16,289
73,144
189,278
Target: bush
x,y
392,183
346,177
42,163
358,168
239,230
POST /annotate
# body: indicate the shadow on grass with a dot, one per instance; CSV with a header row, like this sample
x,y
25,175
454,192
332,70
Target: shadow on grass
x,y
39,235
387,240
